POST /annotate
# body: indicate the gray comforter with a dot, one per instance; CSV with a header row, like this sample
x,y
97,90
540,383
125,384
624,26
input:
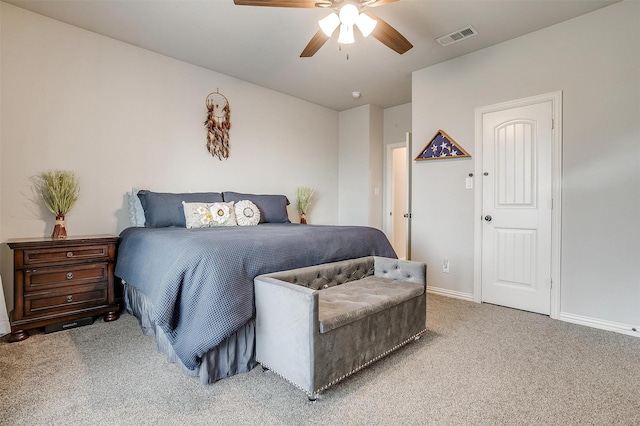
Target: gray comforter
x,y
200,281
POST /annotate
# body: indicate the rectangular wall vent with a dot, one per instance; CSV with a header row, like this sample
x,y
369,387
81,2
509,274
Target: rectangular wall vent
x,y
457,36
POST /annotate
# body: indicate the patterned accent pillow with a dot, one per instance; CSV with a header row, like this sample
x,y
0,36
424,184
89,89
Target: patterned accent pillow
x,y
136,213
208,215
247,213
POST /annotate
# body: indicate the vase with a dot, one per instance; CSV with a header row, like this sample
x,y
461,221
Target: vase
x,y
303,218
59,229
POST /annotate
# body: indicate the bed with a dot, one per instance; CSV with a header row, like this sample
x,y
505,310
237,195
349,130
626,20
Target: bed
x,y
192,288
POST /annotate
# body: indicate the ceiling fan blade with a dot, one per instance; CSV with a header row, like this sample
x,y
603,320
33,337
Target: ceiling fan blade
x,y
277,3
389,36
317,41
376,3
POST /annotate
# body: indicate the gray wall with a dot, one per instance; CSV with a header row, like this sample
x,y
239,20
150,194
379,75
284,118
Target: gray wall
x,y
595,61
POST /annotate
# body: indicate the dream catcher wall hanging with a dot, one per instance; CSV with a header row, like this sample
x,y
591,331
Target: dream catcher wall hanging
x,y
218,124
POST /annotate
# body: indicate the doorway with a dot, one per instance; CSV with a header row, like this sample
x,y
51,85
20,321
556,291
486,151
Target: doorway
x,y
398,195
517,207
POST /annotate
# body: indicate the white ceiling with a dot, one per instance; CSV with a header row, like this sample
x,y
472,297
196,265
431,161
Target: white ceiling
x,y
262,44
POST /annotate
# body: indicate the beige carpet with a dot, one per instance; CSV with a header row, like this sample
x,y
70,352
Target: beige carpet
x,y
477,365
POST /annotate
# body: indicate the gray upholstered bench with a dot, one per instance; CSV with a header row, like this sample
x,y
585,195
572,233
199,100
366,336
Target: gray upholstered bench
x,y
317,325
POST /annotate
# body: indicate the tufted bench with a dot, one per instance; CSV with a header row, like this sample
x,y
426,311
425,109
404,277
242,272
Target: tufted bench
x,y
317,325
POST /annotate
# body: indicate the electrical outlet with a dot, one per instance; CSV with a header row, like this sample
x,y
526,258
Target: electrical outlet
x,y
445,266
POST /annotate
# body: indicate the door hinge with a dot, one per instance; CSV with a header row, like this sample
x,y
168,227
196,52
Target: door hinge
x,y
553,124
550,282
407,215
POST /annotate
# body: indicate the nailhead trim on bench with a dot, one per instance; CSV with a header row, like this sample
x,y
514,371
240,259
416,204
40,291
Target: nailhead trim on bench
x,y
316,393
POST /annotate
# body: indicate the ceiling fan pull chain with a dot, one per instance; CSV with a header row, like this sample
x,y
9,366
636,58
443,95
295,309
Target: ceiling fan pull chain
x,y
340,49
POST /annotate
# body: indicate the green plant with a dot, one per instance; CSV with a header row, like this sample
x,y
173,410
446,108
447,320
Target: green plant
x,y
59,190
304,196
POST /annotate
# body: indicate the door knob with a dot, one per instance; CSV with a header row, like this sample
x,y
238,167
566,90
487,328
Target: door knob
x,y
488,218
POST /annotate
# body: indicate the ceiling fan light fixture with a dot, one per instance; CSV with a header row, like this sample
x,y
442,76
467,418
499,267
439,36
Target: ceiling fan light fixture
x,y
346,34
329,24
366,24
349,14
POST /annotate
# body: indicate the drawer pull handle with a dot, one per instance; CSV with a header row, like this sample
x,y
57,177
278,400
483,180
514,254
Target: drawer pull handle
x,y
69,275
69,298
69,254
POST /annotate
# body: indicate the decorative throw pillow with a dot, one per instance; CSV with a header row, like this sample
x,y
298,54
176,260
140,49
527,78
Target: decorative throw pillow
x,y
136,212
247,213
208,215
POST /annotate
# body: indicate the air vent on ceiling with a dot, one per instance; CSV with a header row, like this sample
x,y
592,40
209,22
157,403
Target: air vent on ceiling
x,y
457,36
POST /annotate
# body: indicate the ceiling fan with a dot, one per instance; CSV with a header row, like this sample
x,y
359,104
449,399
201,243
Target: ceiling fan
x,y
346,15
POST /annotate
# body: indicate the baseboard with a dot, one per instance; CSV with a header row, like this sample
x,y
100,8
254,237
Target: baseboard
x,y
450,293
627,329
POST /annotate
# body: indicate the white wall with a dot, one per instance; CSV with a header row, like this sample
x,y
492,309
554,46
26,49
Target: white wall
x,y
595,61
5,327
353,168
120,116
397,122
360,166
376,160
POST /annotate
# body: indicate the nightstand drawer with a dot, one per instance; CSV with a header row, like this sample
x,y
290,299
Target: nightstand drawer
x,y
47,303
57,277
62,255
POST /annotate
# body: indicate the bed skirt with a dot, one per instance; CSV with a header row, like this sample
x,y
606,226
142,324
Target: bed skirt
x,y
236,354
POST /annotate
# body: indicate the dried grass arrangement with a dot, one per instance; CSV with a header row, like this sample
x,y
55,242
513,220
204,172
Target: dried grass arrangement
x,y
59,190
304,197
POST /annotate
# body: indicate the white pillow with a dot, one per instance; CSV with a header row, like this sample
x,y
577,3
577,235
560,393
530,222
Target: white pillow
x,y
208,215
247,213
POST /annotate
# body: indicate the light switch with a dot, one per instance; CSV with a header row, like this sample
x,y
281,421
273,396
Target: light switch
x,y
469,183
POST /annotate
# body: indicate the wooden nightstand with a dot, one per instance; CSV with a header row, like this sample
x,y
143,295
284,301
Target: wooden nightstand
x,y
62,280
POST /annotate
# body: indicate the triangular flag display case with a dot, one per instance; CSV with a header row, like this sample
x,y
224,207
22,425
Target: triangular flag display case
x,y
441,146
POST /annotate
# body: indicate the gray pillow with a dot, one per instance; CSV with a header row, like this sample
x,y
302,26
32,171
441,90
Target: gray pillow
x,y
273,208
136,212
165,209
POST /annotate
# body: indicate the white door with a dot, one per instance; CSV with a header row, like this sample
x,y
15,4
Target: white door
x,y
399,197
399,201
516,207
407,215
